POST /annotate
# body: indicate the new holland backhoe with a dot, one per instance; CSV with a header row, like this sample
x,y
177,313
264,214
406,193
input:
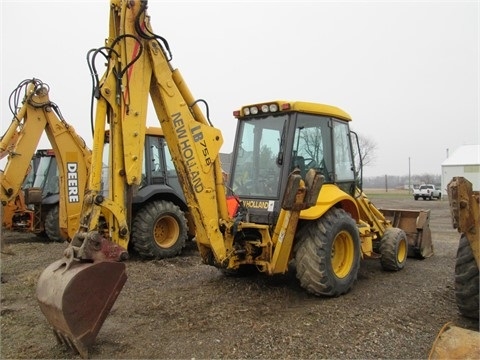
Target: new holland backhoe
x,y
293,200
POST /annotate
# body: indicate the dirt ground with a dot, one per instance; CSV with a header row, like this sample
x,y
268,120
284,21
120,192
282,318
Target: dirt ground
x,y
181,309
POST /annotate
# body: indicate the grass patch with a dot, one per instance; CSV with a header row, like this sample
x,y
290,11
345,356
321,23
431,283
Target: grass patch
x,y
387,194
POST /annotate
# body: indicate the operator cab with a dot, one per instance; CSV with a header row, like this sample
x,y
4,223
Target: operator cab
x,y
275,138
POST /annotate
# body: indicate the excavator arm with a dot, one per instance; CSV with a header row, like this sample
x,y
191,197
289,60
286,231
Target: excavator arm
x,y
36,116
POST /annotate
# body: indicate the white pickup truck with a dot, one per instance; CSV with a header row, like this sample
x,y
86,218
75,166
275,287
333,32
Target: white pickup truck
x,y
427,191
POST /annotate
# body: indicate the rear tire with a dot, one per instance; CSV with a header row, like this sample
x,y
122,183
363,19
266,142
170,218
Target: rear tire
x,y
327,254
52,225
159,230
466,280
394,249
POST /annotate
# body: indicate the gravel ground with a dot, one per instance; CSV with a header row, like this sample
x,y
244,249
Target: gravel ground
x,y
181,309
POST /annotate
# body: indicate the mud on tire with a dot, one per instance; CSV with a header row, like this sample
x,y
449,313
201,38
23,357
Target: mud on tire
x,y
327,254
159,230
466,280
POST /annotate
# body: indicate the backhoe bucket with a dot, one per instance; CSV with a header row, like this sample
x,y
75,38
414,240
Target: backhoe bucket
x,y
416,224
454,342
77,298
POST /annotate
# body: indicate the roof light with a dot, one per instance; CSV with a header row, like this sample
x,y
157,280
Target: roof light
x,y
273,107
265,108
246,111
286,106
253,110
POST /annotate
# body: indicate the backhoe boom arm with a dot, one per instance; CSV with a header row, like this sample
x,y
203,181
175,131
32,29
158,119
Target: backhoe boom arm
x,y
36,116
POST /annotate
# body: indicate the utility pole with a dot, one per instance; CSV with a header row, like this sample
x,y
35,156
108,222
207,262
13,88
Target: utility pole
x,y
409,177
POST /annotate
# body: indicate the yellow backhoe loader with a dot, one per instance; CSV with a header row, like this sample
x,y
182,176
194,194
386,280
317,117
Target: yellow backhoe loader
x,y
293,199
52,205
454,342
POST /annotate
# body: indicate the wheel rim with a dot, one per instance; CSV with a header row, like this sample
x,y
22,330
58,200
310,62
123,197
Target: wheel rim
x,y
166,231
402,251
343,251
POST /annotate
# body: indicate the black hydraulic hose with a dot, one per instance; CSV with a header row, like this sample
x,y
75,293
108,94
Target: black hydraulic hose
x,y
150,36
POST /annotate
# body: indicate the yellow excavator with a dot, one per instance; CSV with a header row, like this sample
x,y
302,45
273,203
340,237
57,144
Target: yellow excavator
x,y
292,199
34,116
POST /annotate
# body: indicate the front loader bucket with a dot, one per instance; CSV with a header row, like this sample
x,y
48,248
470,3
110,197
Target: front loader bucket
x,y
77,300
454,342
416,224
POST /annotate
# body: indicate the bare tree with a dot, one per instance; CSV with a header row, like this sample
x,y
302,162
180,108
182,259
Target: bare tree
x,y
367,154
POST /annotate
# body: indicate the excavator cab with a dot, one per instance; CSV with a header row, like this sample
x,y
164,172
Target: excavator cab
x,y
275,138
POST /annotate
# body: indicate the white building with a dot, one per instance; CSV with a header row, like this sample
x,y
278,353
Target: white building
x,y
465,161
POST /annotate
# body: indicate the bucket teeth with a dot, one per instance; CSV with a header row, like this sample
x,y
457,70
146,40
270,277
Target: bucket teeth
x,y
65,341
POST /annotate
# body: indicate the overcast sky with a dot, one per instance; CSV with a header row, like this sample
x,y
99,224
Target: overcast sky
x,y
406,71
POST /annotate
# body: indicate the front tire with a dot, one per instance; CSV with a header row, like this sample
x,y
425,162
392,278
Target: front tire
x,y
466,280
327,254
394,249
159,230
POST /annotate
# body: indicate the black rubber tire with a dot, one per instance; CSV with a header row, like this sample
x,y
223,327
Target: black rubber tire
x,y
327,254
466,280
394,249
159,230
415,197
52,225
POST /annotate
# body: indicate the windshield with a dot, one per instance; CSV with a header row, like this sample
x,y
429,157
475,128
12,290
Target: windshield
x,y
256,172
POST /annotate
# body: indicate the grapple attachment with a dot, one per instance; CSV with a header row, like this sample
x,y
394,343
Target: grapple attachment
x,y
416,224
76,296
